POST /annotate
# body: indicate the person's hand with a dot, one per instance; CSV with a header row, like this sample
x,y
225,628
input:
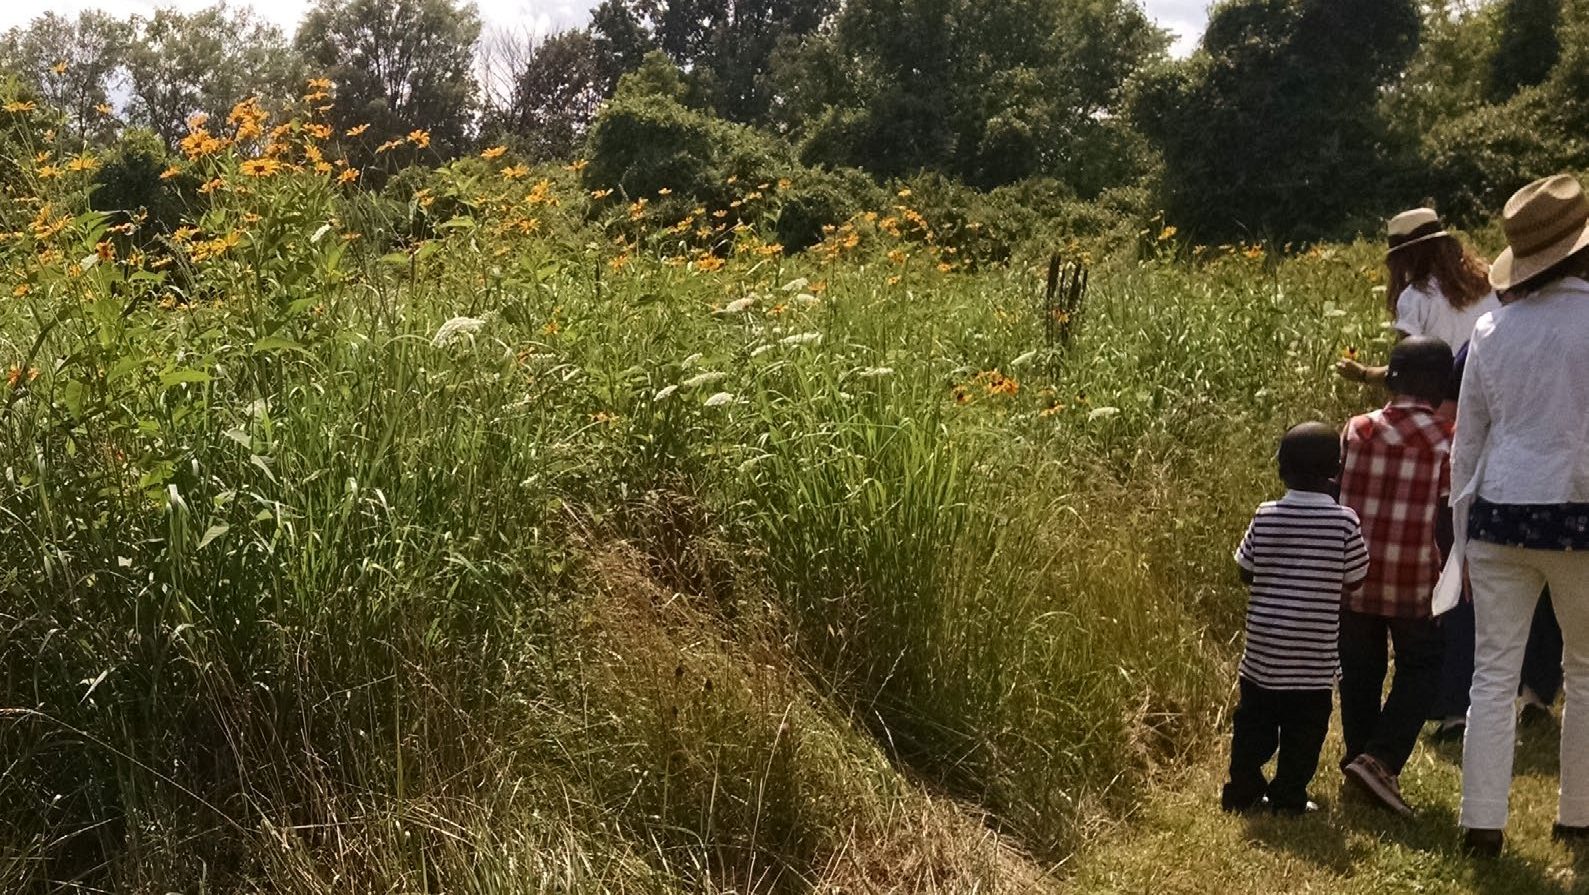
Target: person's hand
x,y
1352,370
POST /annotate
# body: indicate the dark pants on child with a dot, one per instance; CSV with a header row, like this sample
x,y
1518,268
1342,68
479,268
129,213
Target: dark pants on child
x,y
1387,731
1541,659
1294,722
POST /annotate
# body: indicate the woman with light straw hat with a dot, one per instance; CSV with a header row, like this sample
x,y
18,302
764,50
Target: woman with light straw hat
x,y
1437,286
1520,480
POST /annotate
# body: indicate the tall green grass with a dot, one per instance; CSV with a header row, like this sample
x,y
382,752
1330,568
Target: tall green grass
x,y
659,580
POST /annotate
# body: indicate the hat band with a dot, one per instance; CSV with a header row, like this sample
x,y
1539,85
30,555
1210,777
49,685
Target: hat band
x,y
1409,243
1417,234
1577,215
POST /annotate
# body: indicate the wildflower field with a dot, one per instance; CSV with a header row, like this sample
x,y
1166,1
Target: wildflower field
x,y
535,536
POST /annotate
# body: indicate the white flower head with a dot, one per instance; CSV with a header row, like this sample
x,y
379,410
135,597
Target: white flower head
x,y
456,329
664,393
802,339
738,305
875,372
796,285
806,298
719,399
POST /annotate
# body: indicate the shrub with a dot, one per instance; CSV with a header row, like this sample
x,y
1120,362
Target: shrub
x,y
670,159
1476,161
130,181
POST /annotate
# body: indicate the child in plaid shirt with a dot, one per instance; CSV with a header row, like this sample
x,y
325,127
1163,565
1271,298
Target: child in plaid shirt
x,y
1396,475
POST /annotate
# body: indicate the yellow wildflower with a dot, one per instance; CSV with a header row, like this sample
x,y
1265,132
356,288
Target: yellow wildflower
x,y
494,152
170,172
541,194
577,166
357,130
515,172
259,167
348,175
419,138
84,162
17,106
248,118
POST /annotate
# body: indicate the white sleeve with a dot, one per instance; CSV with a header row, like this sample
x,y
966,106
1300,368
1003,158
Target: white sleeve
x,y
1473,423
1410,307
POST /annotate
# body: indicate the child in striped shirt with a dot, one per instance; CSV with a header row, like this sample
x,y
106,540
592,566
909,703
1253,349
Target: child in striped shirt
x,y
1300,555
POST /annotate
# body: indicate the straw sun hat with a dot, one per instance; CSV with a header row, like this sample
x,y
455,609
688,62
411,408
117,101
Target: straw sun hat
x,y
1413,227
1546,222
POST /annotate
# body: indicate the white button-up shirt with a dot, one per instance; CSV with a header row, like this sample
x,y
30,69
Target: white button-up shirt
x,y
1523,419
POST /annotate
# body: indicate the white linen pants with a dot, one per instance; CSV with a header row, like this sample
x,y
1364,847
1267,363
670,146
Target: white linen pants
x,y
1506,585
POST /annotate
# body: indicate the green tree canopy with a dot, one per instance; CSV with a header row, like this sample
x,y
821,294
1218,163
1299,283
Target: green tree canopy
x,y
1272,129
1528,46
991,92
723,44
180,64
72,64
397,66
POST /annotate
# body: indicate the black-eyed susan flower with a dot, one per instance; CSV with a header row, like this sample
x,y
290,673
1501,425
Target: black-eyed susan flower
x,y
259,167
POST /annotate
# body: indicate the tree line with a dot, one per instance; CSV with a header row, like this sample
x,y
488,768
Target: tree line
x,y
1293,119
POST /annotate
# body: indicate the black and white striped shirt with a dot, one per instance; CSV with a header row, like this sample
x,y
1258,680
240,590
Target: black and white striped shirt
x,y
1303,551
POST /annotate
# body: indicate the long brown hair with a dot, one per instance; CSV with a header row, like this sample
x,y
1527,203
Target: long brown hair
x,y
1463,276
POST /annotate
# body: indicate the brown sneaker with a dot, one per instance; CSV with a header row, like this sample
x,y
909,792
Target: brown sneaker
x,y
1379,784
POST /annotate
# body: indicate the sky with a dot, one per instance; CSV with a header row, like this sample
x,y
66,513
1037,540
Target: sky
x,y
1183,17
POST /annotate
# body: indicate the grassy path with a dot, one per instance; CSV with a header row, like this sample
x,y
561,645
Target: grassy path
x,y
1181,843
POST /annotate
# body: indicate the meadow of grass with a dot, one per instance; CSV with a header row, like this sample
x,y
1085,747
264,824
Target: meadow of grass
x,y
549,550
1179,844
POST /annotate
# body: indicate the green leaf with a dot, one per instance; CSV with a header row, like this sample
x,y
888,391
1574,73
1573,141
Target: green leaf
x,y
74,395
214,532
277,343
123,367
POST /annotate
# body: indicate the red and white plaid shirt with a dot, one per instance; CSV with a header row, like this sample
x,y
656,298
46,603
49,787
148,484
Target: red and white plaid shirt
x,y
1396,474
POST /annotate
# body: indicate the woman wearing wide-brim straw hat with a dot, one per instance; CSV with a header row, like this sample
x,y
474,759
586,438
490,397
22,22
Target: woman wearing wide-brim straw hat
x,y
1437,287
1520,477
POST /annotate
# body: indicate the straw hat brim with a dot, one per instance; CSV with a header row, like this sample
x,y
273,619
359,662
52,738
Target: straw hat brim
x,y
1438,234
1509,270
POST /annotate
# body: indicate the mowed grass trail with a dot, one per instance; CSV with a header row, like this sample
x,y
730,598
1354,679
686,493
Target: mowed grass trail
x,y
1181,842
